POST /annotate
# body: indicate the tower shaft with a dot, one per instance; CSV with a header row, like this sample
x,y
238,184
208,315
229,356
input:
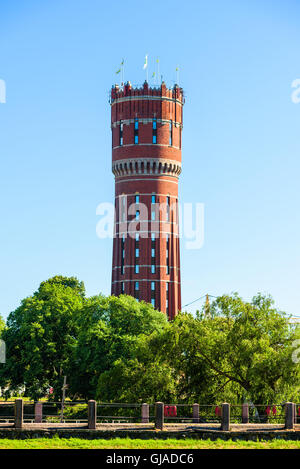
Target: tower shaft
x,y
146,128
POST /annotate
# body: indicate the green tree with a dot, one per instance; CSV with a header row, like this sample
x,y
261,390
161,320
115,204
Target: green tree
x,y
244,349
2,325
40,337
110,329
234,350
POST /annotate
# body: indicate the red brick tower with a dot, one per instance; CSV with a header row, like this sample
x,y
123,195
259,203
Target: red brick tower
x,y
146,161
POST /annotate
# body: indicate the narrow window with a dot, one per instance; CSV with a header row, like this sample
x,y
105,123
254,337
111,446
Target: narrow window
x,y
137,215
168,208
137,199
167,298
153,269
167,255
123,208
153,302
136,290
122,254
153,199
171,133
137,252
121,134
154,131
136,131
123,288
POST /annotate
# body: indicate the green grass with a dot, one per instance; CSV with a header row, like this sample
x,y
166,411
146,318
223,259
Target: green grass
x,y
126,443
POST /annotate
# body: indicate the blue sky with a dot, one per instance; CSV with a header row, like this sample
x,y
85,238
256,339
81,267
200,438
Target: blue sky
x,y
241,141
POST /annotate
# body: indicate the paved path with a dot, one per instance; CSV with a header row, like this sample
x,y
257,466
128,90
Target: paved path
x,y
136,427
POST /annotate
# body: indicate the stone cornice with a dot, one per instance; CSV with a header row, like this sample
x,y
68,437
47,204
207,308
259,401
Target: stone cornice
x,y
132,166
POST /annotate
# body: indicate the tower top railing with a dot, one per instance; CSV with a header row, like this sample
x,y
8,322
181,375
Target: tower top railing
x,y
128,89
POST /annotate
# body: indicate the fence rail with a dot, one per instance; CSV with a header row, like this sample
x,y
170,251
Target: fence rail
x,y
159,414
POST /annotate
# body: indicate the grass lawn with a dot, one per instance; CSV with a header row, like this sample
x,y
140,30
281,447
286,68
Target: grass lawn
x,y
126,443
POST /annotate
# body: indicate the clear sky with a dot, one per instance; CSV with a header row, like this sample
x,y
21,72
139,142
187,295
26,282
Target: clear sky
x,y
241,144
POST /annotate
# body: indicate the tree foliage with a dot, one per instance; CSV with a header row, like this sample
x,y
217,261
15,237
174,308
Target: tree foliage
x,y
40,337
118,349
2,325
110,328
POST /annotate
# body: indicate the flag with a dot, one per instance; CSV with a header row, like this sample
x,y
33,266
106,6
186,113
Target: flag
x,y
122,63
118,71
146,62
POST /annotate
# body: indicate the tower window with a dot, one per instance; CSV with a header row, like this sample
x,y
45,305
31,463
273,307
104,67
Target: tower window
x,y
153,199
167,255
123,208
137,215
137,199
122,288
137,251
136,131
153,302
154,131
167,298
168,208
153,269
136,290
152,286
171,133
122,254
121,134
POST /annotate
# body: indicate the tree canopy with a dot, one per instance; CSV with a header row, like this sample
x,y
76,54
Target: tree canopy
x,y
118,349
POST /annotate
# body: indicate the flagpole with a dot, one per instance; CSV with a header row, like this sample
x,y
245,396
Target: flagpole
x,y
177,78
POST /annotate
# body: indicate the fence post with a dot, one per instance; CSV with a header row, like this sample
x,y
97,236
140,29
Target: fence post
x,y
92,415
19,410
145,413
38,412
289,415
195,413
245,413
225,419
159,415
